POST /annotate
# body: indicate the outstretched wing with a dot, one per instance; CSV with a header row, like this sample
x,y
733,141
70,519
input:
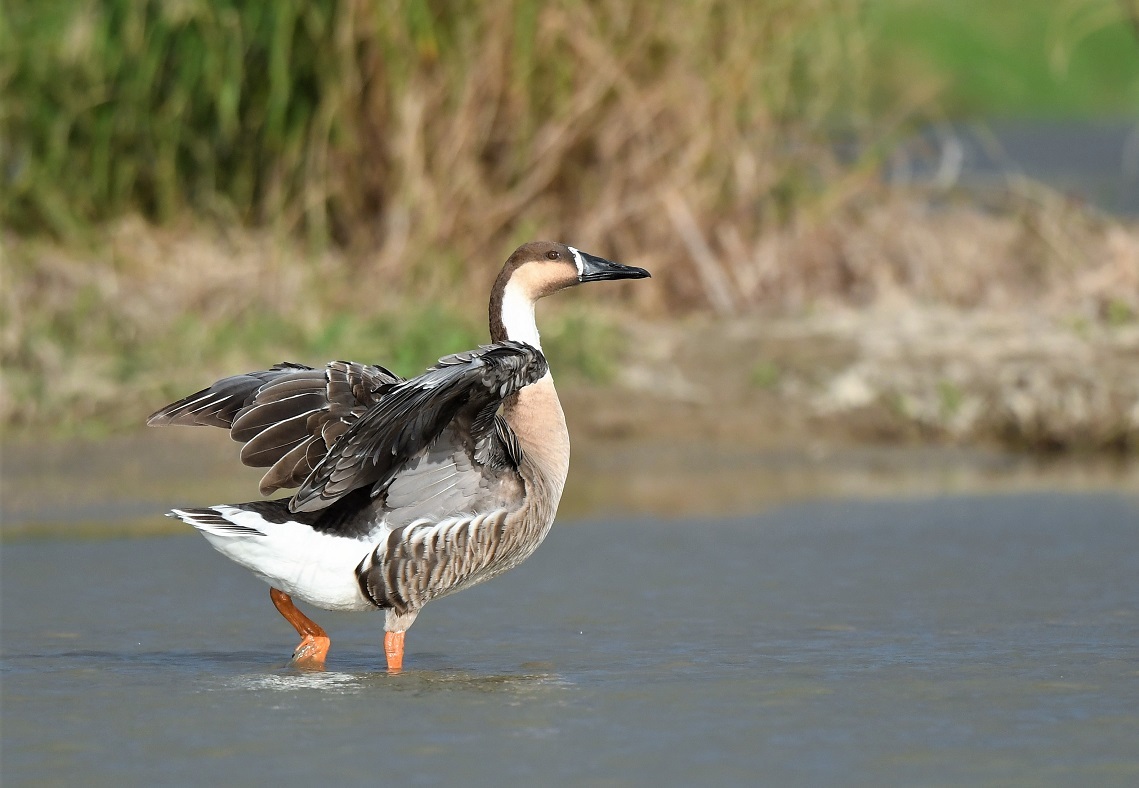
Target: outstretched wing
x,y
286,416
217,405
461,394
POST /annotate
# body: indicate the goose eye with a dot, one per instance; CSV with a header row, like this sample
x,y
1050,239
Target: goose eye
x,y
552,255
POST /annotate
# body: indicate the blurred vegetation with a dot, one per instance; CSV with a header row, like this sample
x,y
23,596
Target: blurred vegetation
x,y
195,186
455,124
1047,58
171,312
456,120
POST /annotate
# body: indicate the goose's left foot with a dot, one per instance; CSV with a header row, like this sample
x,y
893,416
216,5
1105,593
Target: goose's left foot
x,y
311,652
313,648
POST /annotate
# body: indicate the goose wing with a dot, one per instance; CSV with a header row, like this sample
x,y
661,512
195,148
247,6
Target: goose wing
x,y
287,416
428,441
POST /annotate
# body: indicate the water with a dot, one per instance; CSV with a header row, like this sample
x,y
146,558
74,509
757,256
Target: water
x,y
936,641
1097,162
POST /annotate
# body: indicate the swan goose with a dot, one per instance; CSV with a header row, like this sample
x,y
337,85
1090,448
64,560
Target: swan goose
x,y
407,490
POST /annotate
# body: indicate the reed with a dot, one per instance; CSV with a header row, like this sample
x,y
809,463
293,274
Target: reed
x,y
428,131
437,133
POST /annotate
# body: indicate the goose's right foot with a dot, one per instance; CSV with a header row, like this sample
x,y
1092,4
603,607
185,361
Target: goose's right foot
x,y
393,650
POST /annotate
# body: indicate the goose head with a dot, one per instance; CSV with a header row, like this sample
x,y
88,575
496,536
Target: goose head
x,y
536,270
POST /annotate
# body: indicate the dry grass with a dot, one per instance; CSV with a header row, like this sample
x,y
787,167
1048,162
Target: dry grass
x,y
95,338
1037,250
92,339
436,136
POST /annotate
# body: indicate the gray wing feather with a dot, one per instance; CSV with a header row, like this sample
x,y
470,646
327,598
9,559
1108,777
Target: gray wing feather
x,y
286,416
465,389
436,483
217,405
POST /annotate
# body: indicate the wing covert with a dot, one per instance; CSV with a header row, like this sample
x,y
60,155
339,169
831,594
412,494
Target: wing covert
x,y
465,389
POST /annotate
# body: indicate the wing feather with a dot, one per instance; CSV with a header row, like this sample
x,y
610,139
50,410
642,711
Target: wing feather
x,y
217,405
407,419
349,426
286,416
276,440
265,412
296,464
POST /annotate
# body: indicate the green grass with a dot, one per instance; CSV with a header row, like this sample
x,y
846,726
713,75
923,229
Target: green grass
x,y
98,349
110,378
765,374
1044,58
1119,313
581,345
950,397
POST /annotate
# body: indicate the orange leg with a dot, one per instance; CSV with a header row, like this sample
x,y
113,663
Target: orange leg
x,y
314,643
393,650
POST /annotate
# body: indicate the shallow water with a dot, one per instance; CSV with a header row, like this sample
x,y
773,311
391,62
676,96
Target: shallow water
x,y
120,486
935,641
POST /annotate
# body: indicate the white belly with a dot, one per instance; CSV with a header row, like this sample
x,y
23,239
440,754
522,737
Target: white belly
x,y
315,567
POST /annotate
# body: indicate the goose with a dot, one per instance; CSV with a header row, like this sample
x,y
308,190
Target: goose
x,y
406,490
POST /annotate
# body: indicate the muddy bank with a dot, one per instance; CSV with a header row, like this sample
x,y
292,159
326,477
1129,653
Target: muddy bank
x,y
891,375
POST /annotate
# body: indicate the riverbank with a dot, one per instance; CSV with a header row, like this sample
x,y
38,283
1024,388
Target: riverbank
x,y
895,374
901,318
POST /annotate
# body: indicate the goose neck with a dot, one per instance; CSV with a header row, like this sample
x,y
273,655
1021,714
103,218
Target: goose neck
x,y
512,315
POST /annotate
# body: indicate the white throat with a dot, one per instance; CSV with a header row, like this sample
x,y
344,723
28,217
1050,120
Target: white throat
x,y
518,316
